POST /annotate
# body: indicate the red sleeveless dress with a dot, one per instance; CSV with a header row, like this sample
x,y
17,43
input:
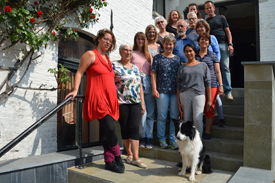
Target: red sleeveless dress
x,y
101,96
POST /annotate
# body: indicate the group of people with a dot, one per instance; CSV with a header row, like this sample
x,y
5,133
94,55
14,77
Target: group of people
x,y
174,71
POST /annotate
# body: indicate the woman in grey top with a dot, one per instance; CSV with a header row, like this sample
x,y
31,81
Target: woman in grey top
x,y
193,79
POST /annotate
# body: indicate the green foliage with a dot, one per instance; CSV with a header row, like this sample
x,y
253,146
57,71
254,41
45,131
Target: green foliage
x,y
24,24
61,75
35,23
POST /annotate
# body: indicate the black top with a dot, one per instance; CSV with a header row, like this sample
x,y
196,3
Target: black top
x,y
217,25
171,29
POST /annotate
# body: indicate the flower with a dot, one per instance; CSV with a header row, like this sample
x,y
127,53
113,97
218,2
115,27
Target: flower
x,y
8,9
103,0
91,10
35,28
97,18
32,20
93,17
35,2
75,30
21,41
39,13
54,33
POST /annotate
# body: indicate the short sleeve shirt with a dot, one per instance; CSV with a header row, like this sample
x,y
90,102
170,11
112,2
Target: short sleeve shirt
x,y
178,50
217,25
192,34
127,83
166,69
210,58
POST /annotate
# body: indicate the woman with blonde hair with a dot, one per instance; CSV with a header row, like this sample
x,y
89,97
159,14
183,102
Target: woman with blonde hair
x,y
143,60
172,19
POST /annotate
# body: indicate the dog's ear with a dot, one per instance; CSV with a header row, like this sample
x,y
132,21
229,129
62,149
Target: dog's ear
x,y
190,124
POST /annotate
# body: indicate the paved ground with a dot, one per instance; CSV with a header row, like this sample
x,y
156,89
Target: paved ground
x,y
158,171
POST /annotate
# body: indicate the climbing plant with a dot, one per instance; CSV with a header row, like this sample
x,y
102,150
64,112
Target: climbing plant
x,y
34,24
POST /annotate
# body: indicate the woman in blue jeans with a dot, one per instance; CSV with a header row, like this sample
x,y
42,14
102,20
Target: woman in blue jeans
x,y
164,89
143,60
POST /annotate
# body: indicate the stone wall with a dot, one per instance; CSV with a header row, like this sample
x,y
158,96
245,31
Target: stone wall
x,y
24,107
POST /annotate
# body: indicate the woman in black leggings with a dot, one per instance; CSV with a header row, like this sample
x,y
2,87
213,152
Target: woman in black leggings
x,y
131,103
101,98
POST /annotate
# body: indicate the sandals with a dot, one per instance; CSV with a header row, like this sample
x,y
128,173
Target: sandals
x,y
129,159
139,163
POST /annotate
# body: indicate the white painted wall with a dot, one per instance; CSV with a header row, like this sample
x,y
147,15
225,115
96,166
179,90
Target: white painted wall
x,y
267,29
23,107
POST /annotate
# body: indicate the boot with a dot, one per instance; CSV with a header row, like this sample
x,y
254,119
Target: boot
x,y
116,152
110,163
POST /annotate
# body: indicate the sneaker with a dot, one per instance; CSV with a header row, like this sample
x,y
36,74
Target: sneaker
x,y
163,145
149,144
229,96
142,143
173,145
222,123
139,163
207,136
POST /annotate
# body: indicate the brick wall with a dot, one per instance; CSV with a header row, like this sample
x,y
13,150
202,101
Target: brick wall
x,y
24,107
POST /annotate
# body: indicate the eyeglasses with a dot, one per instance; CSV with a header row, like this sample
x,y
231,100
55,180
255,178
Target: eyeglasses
x,y
108,40
160,22
191,19
130,51
151,32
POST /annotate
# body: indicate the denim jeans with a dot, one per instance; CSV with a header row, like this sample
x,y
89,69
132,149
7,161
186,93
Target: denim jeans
x,y
164,102
224,64
147,119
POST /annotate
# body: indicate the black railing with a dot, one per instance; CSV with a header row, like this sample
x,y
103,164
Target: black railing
x,y
34,126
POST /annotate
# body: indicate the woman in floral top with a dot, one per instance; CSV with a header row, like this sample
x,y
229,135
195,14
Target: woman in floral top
x,y
164,89
131,103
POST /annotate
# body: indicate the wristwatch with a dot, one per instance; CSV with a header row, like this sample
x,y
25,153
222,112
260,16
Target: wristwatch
x,y
230,44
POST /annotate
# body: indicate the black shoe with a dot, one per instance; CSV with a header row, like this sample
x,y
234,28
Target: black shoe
x,y
119,162
222,123
207,136
114,167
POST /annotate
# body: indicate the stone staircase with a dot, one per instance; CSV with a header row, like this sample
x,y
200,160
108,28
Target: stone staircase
x,y
226,146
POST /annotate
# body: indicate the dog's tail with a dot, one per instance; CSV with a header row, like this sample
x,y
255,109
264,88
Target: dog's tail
x,y
206,168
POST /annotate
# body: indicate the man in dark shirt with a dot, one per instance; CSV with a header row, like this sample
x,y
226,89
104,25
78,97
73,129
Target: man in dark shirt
x,y
220,29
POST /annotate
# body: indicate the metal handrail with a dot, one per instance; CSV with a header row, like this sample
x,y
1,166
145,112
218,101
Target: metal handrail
x,y
34,126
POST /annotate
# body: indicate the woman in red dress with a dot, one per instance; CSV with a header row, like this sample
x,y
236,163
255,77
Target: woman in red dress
x,y
101,98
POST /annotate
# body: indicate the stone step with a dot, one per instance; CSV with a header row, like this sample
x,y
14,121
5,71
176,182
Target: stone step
x,y
228,162
224,146
255,175
239,101
237,92
232,133
222,161
231,120
233,110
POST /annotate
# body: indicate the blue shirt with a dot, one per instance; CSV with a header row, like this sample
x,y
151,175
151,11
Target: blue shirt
x,y
166,69
192,34
210,58
178,50
214,46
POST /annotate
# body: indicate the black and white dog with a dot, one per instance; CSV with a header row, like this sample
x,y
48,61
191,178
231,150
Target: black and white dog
x,y
191,149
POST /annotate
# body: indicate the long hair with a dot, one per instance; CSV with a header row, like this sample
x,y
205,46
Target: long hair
x,y
101,33
145,50
169,19
198,12
148,29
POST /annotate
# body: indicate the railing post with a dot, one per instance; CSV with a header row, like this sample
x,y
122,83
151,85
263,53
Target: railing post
x,y
80,101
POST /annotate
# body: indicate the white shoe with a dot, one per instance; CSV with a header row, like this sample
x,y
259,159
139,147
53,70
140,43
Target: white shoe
x,y
139,164
229,96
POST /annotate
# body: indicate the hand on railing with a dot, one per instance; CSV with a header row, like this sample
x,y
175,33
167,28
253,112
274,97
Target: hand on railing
x,y
73,94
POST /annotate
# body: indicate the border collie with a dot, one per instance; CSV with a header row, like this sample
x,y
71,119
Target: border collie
x,y
191,149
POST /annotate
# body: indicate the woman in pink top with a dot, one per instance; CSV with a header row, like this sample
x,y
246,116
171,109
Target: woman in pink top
x,y
143,60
